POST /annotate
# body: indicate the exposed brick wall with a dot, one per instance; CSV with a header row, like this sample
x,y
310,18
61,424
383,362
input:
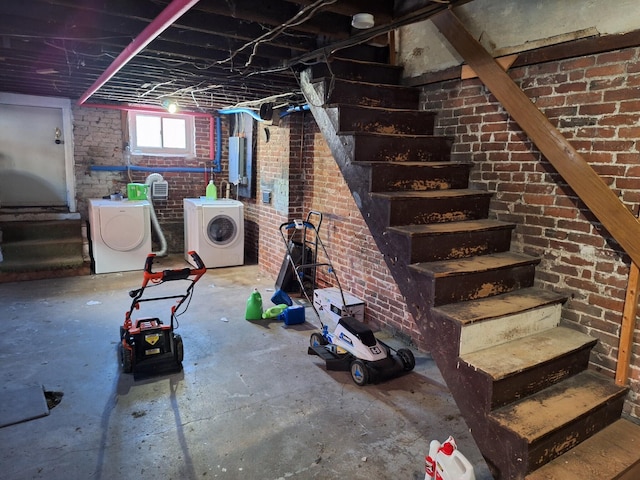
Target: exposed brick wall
x,y
316,184
594,102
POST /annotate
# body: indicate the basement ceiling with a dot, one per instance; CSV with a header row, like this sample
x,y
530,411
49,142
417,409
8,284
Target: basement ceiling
x,y
219,54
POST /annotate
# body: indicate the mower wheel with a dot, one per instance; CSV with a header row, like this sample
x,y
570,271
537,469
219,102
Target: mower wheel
x,y
317,340
126,358
179,349
359,372
408,360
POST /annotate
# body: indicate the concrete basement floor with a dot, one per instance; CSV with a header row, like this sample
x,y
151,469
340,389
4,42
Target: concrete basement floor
x,y
250,402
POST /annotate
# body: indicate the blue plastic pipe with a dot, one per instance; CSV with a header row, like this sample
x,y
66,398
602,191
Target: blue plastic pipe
x,y
123,168
216,161
248,111
291,110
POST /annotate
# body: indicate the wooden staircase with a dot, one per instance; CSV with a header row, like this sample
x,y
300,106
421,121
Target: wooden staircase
x,y
37,245
519,377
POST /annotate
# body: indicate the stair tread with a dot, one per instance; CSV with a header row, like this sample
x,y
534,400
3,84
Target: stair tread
x,y
437,164
450,227
338,58
499,305
60,261
453,192
44,241
501,361
385,86
384,110
552,408
404,136
41,223
607,454
474,264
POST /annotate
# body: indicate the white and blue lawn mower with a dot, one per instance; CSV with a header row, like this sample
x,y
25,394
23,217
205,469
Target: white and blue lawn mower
x,y
351,346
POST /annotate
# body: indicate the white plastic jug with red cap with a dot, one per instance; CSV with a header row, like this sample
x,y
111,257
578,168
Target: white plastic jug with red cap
x,y
445,462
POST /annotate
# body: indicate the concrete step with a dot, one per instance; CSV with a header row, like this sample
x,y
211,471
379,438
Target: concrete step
x,y
451,240
16,231
459,280
436,206
41,249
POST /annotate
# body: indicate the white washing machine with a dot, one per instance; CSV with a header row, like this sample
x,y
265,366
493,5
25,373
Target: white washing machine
x,y
120,234
214,229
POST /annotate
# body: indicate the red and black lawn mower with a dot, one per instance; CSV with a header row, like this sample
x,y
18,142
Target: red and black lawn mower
x,y
147,340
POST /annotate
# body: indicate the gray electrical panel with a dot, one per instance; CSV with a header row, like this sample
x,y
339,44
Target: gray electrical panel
x,y
241,161
237,161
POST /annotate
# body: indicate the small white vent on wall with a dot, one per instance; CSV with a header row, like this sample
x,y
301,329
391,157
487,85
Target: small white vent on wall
x,y
160,190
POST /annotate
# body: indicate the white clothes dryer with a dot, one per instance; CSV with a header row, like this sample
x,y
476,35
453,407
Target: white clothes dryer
x,y
215,230
120,234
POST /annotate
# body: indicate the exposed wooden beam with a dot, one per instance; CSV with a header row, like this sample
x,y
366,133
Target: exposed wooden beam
x,y
592,190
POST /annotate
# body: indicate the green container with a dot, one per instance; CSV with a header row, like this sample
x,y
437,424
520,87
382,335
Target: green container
x,y
254,306
211,191
137,191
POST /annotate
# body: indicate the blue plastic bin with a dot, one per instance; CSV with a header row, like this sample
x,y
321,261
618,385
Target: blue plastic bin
x,y
281,297
293,315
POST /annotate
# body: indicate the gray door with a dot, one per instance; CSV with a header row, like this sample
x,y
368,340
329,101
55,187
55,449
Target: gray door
x,y
32,156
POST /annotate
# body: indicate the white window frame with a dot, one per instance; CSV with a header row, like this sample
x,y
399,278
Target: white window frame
x,y
190,149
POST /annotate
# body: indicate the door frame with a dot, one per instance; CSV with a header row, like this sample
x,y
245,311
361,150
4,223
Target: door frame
x,y
64,104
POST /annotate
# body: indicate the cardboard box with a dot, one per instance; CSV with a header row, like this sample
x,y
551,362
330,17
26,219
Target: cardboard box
x,y
328,303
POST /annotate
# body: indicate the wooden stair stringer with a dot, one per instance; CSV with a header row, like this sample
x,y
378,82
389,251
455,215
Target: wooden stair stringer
x,y
342,149
508,454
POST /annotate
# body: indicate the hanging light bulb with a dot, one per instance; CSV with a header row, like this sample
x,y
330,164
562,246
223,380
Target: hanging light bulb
x,y
170,105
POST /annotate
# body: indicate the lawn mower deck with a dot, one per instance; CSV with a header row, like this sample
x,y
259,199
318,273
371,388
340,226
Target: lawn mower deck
x,y
353,347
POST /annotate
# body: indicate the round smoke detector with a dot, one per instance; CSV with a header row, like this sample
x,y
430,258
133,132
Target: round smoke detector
x,y
362,21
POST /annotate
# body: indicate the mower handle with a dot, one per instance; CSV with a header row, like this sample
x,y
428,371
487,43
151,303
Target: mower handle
x,y
297,225
176,274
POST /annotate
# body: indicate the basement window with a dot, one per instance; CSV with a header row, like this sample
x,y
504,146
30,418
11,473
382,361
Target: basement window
x,y
161,134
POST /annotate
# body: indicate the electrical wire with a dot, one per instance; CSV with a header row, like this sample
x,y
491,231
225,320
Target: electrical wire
x,y
308,12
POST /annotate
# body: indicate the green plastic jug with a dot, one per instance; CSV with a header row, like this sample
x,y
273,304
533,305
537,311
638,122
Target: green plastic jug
x,y
254,306
273,312
212,191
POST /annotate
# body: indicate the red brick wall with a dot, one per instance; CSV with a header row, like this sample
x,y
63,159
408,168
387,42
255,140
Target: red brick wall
x,y
594,102
316,184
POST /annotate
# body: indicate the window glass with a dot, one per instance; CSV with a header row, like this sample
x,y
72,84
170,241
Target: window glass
x,y
149,132
174,132
161,134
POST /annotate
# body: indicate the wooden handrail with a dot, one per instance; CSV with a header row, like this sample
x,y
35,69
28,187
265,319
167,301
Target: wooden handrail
x,y
586,183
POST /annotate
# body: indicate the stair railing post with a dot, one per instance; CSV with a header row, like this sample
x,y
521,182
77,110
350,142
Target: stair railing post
x,y
628,324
